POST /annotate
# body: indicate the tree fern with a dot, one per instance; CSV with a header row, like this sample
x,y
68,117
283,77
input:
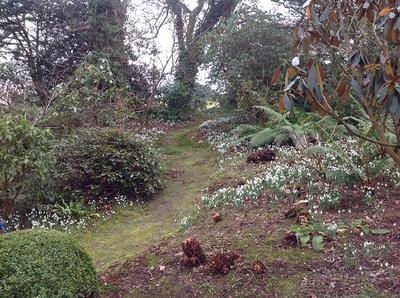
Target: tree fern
x,y
382,166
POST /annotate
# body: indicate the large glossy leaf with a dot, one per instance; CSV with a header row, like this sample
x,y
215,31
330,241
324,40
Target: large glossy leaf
x,y
291,84
276,75
312,78
318,243
287,102
393,104
382,93
356,87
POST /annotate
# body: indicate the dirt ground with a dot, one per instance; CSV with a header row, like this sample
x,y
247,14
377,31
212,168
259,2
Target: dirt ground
x,y
257,232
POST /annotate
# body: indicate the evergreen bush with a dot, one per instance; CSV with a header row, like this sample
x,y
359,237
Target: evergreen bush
x,y
45,263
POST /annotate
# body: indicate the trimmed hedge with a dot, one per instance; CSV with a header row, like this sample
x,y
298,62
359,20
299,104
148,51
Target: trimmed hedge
x,y
45,263
105,162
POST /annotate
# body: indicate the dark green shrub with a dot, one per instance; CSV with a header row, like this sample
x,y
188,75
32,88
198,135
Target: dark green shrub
x,y
106,163
45,263
25,162
175,96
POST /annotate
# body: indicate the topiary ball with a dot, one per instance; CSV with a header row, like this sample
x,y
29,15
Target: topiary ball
x,y
45,263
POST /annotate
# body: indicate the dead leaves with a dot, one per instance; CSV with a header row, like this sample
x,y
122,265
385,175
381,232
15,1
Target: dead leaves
x,y
342,91
261,156
219,262
259,267
217,217
276,75
385,11
222,262
193,253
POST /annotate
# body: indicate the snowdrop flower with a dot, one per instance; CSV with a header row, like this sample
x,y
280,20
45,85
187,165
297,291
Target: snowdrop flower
x,y
296,61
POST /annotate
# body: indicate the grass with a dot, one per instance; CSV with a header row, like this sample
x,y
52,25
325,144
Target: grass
x,y
267,250
130,231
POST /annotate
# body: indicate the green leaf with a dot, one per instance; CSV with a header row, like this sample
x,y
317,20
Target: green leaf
x,y
318,243
380,231
304,239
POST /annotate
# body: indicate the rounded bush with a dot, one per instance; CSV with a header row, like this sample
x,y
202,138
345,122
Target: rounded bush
x,y
45,263
106,162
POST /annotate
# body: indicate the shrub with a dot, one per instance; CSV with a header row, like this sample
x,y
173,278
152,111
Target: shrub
x,y
25,160
176,97
44,263
365,72
106,163
96,96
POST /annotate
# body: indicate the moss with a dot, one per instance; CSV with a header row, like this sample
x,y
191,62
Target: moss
x,y
267,250
370,292
284,287
151,260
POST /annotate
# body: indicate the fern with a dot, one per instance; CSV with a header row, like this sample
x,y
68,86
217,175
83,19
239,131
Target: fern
x,y
263,138
292,134
274,117
341,155
243,141
245,129
340,177
365,125
383,165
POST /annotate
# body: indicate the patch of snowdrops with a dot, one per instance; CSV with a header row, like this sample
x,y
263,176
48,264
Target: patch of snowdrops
x,y
66,217
321,174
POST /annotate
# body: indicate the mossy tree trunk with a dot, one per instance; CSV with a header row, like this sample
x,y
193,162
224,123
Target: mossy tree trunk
x,y
190,26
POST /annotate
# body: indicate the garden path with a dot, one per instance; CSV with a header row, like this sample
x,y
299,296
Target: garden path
x,y
131,230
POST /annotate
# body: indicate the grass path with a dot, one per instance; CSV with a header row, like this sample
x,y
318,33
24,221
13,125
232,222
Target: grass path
x,y
130,231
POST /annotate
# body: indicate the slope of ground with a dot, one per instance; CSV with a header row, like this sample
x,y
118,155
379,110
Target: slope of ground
x,y
355,263
257,231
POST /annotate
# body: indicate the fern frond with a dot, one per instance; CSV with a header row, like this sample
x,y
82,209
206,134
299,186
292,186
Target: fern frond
x,y
341,155
274,117
383,165
243,141
245,129
263,138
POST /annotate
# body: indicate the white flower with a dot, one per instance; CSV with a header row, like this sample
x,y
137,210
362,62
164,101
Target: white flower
x,y
296,61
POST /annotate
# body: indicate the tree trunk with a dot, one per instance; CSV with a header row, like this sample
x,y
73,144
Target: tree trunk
x,y
187,69
188,37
